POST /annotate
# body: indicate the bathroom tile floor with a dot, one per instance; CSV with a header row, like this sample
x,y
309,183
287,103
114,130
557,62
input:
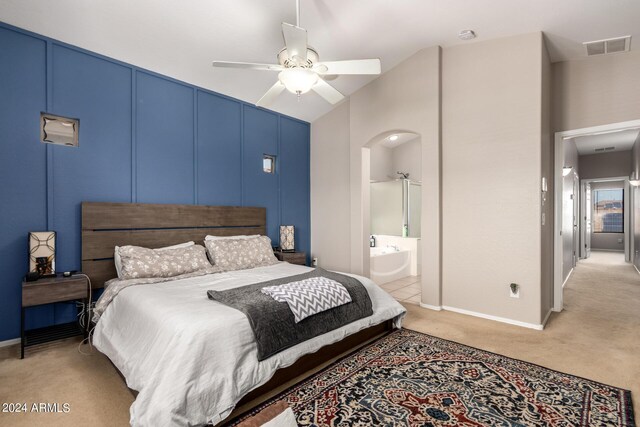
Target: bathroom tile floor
x,y
406,289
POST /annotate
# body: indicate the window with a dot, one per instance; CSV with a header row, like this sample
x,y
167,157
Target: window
x,y
608,211
269,163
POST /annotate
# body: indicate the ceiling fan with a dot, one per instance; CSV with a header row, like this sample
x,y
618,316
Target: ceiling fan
x,y
300,69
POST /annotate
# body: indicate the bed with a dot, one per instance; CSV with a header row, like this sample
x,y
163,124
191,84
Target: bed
x,y
192,360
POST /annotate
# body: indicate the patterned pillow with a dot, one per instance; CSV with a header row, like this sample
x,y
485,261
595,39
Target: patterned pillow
x,y
240,254
138,262
309,296
118,262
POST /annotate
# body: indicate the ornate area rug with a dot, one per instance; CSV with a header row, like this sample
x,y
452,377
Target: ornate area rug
x,y
411,379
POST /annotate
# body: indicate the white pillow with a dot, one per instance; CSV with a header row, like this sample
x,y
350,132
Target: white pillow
x,y
210,237
118,260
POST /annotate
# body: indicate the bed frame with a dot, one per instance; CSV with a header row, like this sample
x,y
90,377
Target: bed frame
x,y
106,225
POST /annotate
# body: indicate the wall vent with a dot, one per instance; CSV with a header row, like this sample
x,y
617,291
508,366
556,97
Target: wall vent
x,y
607,46
600,150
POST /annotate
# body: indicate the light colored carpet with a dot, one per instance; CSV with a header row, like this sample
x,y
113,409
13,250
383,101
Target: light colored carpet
x,y
596,337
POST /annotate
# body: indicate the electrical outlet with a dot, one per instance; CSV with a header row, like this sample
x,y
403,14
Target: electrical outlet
x,y
514,290
620,240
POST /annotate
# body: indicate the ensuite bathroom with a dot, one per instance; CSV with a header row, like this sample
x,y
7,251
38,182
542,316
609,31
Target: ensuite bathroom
x,y
395,212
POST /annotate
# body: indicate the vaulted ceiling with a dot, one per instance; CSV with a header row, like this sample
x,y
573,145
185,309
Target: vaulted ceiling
x,y
181,38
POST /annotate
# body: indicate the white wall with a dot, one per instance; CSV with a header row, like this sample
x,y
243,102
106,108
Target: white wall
x,y
387,161
404,99
481,211
407,157
547,170
605,165
635,212
330,192
382,163
492,169
596,91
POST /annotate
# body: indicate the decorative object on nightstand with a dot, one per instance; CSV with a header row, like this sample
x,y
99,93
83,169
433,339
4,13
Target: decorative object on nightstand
x,y
287,238
42,252
299,258
48,290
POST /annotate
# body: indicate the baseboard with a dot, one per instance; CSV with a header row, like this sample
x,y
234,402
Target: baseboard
x,y
634,266
431,307
538,327
7,343
544,322
568,277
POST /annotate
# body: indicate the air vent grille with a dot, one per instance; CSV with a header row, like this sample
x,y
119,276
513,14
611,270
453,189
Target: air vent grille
x,y
600,150
603,47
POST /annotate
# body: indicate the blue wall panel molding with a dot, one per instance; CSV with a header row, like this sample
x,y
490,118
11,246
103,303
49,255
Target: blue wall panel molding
x,y
143,137
261,189
164,139
219,158
23,168
98,92
294,181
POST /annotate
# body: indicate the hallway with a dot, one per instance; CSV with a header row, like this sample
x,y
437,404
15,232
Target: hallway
x,y
596,336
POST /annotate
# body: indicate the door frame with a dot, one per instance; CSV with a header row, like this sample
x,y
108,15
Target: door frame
x,y
577,200
584,237
626,197
557,188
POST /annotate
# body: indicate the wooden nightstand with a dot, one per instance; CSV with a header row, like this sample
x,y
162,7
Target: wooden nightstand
x,y
292,257
46,291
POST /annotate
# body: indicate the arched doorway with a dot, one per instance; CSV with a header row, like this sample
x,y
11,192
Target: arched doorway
x,y
392,212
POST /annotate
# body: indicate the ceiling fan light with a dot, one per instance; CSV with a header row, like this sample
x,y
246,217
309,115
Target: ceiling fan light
x,y
298,80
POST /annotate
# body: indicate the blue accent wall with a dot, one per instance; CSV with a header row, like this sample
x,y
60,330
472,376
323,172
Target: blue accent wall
x,y
144,138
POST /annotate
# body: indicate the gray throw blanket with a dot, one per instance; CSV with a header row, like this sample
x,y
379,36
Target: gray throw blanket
x,y
273,322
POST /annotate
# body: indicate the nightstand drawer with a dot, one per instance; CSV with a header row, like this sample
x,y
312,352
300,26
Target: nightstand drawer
x,y
35,293
292,257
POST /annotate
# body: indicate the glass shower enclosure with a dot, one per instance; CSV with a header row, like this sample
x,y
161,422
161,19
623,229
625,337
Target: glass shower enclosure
x,y
396,207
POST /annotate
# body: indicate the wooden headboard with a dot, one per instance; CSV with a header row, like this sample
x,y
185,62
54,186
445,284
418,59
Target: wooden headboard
x,y
106,225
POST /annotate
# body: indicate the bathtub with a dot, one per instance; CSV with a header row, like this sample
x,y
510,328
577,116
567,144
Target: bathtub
x,y
388,264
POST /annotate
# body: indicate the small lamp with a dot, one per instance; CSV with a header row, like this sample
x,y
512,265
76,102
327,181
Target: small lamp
x,y
287,238
42,252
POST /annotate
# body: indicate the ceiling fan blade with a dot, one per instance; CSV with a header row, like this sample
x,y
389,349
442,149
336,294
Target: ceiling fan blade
x,y
295,38
355,66
248,66
271,95
327,91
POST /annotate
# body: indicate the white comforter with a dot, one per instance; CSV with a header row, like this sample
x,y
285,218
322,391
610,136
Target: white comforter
x,y
192,359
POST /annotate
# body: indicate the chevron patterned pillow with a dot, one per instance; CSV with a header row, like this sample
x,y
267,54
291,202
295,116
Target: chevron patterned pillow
x,y
310,296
